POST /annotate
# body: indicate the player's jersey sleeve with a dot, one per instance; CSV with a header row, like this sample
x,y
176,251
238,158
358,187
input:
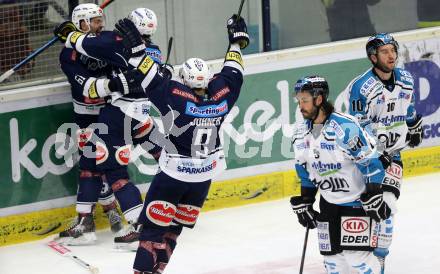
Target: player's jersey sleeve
x,y
80,78
303,175
407,79
358,145
362,91
106,46
227,84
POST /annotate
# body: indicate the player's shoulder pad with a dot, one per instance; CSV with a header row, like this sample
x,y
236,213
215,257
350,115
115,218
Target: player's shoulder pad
x,y
364,85
339,125
403,77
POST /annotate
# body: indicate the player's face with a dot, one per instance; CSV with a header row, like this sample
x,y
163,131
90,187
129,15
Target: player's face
x,y
306,105
97,24
386,58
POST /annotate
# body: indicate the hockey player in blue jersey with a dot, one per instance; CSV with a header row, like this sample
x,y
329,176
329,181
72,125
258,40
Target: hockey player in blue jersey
x,y
113,148
382,99
82,72
336,156
192,112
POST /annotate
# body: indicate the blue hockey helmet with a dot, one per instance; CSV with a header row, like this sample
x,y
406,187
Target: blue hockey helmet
x,y
316,85
378,40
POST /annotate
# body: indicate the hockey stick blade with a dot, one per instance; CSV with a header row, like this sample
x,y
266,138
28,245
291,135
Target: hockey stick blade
x,y
48,229
65,252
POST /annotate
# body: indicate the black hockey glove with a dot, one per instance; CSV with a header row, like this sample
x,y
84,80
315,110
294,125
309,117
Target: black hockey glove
x,y
373,203
415,132
62,30
166,70
132,39
128,82
237,31
303,208
386,160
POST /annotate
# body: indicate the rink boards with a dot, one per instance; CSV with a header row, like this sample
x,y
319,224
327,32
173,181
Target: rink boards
x,y
38,186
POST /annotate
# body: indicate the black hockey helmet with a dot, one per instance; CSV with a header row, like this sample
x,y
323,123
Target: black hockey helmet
x,y
316,85
378,40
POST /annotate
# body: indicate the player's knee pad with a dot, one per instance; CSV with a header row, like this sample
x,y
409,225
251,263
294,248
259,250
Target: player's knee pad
x,y
392,180
146,256
186,215
88,190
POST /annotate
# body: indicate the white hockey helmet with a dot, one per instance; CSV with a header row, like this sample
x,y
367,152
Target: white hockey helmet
x,y
195,73
145,20
85,12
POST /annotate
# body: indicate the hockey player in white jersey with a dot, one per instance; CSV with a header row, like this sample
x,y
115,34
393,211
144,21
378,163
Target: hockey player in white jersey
x,y
336,156
382,99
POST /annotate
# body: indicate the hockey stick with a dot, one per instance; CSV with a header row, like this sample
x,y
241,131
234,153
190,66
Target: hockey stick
x,y
170,44
303,256
240,8
65,252
37,52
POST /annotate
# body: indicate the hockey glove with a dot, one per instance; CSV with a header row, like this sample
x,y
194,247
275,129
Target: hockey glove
x,y
166,70
128,82
63,30
237,31
373,203
303,208
415,132
386,160
132,38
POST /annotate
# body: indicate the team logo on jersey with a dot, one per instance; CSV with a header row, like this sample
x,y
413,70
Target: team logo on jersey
x,y
220,93
187,214
327,146
355,231
333,184
143,129
206,111
325,169
354,225
83,135
101,153
161,212
366,86
185,94
337,129
122,155
404,95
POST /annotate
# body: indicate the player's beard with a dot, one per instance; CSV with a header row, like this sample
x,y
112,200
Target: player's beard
x,y
310,115
383,67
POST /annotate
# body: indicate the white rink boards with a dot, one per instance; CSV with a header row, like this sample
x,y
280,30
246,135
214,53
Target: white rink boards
x,y
263,238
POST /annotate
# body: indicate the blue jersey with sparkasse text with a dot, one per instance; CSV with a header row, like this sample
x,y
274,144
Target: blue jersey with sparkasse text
x,y
339,161
384,111
192,150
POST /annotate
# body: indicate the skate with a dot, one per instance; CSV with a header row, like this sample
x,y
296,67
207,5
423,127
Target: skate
x,y
128,238
80,232
114,219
